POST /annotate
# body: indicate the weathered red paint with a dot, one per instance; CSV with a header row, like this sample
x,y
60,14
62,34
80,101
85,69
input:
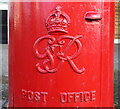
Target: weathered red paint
x,y
61,54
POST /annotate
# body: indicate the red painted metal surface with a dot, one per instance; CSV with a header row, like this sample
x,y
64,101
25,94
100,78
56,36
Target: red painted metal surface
x,y
61,54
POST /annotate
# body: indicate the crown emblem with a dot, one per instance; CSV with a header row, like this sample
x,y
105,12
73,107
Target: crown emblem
x,y
57,22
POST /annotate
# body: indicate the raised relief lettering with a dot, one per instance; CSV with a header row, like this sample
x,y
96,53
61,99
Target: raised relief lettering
x,y
70,96
44,95
30,95
37,96
87,96
24,93
76,97
34,96
93,95
63,97
57,25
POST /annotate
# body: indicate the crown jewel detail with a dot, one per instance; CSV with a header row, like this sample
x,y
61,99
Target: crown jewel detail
x,y
57,21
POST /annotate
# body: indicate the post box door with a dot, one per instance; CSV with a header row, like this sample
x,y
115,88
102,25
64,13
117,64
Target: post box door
x,y
57,54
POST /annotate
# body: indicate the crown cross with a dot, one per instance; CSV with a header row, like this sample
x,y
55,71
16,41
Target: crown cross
x,y
58,13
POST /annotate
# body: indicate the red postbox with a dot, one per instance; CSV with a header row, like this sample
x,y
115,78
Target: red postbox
x,y
61,54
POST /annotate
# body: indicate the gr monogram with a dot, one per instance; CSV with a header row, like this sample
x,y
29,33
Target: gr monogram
x,y
57,24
